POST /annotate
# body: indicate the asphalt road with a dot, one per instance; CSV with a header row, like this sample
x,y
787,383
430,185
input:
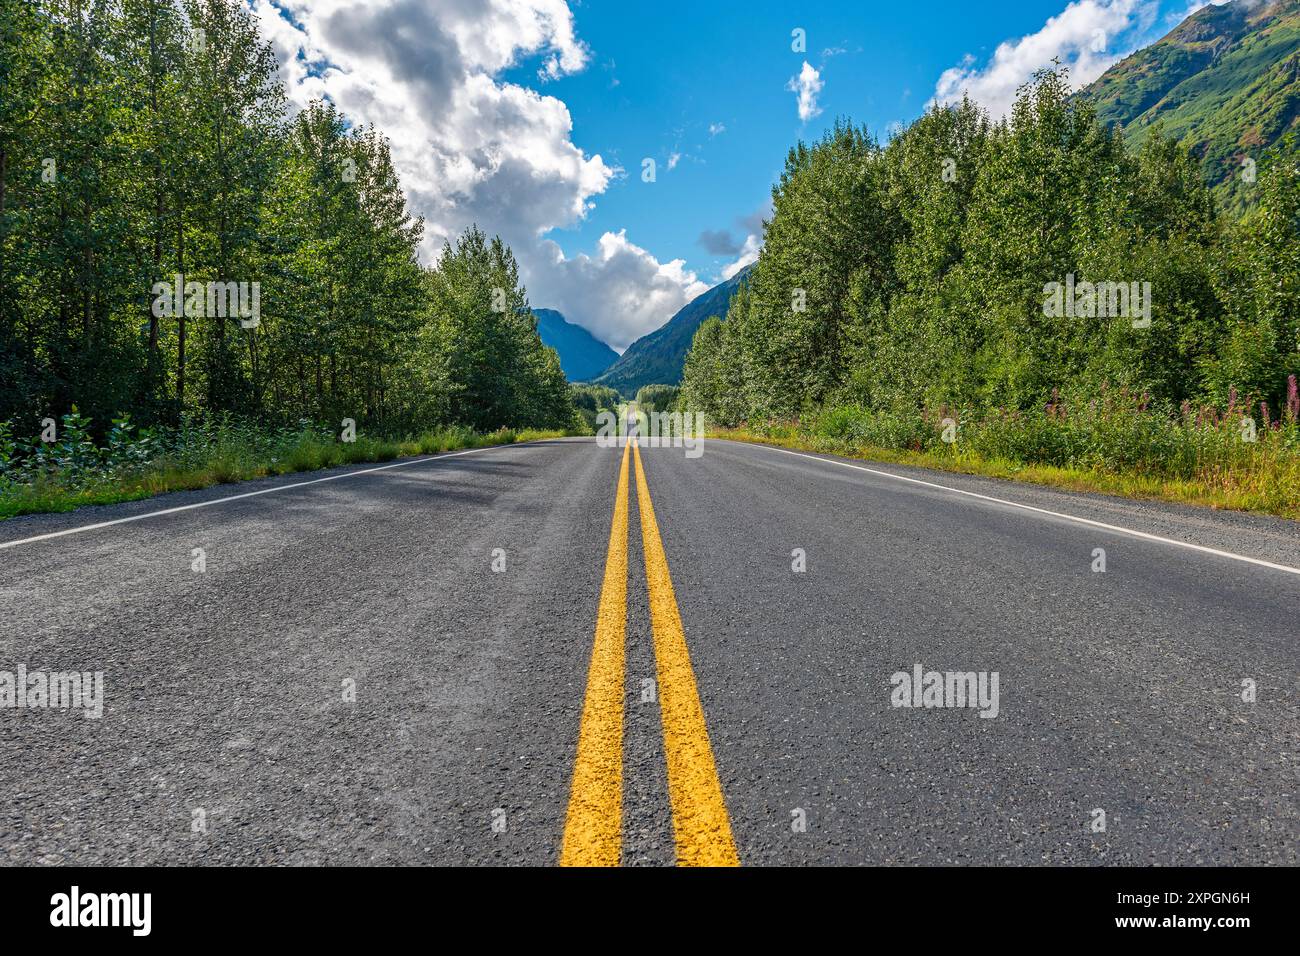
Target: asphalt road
x,y
349,680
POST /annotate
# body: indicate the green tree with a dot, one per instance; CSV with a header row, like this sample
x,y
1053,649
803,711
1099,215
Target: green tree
x,y
829,230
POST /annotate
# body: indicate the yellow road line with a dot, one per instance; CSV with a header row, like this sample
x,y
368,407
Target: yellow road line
x,y
700,823
593,826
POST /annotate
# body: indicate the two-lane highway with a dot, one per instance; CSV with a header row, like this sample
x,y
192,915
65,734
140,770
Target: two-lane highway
x,y
435,662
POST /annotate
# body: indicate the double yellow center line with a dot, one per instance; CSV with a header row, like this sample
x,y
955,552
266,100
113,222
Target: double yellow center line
x,y
593,826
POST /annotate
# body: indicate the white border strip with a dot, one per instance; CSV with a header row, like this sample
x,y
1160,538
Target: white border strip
x,y
1042,511
253,494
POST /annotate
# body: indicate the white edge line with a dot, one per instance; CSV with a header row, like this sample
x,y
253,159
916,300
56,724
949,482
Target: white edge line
x,y
1043,511
254,494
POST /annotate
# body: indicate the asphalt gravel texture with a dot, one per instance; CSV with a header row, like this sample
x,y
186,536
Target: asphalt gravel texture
x,y
349,680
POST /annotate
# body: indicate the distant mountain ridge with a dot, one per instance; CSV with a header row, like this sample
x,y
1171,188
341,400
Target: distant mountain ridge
x,y
582,355
657,358
1225,82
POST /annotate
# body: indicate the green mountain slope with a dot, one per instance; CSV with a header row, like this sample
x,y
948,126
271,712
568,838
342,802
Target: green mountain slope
x,y
582,355
658,357
1225,81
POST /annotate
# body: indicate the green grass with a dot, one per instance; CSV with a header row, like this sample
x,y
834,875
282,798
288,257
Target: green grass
x,y
1267,482
234,462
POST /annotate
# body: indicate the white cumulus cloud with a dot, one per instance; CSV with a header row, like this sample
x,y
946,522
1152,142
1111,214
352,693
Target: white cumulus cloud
x,y
1087,36
622,282
806,87
748,254
471,147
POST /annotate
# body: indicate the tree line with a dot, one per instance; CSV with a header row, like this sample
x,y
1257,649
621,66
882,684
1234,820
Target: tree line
x,y
923,274
145,147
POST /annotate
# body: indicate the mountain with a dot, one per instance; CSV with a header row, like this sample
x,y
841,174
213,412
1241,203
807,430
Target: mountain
x,y
658,357
1225,81
582,355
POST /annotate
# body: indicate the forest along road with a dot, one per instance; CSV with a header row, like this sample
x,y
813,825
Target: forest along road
x,y
560,652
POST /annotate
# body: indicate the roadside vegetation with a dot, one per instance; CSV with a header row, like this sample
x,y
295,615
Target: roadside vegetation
x,y
197,287
658,398
1115,447
900,309
133,463
590,401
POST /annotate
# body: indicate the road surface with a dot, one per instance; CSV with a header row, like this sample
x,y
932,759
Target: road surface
x,y
501,657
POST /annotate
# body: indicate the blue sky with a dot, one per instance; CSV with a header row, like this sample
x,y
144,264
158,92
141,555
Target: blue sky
x,y
659,82
693,66
532,118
